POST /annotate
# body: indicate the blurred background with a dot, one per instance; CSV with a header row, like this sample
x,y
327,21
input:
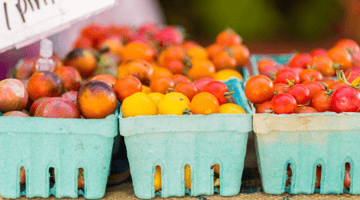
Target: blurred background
x,y
268,26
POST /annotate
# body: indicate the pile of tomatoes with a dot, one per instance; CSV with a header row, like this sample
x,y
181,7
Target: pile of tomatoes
x,y
307,83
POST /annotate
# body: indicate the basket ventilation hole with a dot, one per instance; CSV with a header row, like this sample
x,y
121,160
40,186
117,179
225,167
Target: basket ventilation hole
x,y
347,179
51,177
81,180
216,168
157,178
187,177
288,174
318,176
22,180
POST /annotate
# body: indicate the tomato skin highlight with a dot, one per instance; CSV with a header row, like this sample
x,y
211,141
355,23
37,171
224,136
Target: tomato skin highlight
x,y
345,99
300,93
259,89
283,104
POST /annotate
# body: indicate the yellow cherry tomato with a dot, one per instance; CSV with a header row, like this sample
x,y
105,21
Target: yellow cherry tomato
x,y
157,178
226,74
156,96
187,177
173,103
231,108
138,104
146,89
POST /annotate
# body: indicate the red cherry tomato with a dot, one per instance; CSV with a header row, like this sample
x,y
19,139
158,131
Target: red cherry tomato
x,y
268,67
335,85
351,76
285,75
280,87
259,89
321,101
327,81
305,109
186,88
283,104
313,87
349,44
345,99
219,90
318,52
201,83
300,60
310,75
262,108
300,93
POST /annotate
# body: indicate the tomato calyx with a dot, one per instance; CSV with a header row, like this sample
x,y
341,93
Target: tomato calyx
x,y
228,94
324,84
342,78
169,90
231,52
187,111
311,67
269,111
336,66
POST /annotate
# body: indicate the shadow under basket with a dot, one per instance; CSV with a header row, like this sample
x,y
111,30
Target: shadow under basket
x,y
199,141
305,141
38,144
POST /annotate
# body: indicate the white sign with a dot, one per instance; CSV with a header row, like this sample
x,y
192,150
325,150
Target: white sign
x,y
23,22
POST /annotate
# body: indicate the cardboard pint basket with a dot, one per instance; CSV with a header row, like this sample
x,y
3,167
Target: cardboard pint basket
x,y
200,141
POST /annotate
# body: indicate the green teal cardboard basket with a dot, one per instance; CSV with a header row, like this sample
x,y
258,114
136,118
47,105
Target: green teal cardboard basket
x,y
66,145
305,141
197,140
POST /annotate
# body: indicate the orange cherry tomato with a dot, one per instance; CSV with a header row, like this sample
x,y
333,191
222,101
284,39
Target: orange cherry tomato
x,y
349,44
341,56
223,60
214,49
126,86
200,68
171,53
204,103
241,54
175,66
161,84
178,78
137,50
310,74
228,38
186,88
259,89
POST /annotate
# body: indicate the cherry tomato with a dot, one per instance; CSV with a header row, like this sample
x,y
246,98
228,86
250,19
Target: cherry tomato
x,y
345,99
324,65
285,75
204,103
127,86
223,60
321,101
310,75
228,38
283,104
262,108
327,81
349,44
241,54
313,87
351,76
259,89
186,88
175,66
280,88
219,90
161,84
214,49
305,109
300,93
335,85
300,60
201,83
268,67
354,69
178,78
297,70
341,56
318,52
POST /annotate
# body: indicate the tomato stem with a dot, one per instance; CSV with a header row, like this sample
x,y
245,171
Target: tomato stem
x,y
228,94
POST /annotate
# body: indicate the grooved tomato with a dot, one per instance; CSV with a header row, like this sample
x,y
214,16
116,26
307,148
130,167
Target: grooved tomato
x,y
283,104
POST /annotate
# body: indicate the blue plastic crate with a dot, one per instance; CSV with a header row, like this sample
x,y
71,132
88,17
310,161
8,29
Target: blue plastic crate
x,y
64,144
198,140
305,141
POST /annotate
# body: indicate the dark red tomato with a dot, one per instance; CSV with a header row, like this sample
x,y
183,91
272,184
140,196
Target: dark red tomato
x,y
347,180
297,70
318,52
283,104
300,93
351,76
300,60
335,85
310,75
259,89
219,90
345,99
186,88
285,75
262,108
201,83
305,109
280,87
313,87
321,101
